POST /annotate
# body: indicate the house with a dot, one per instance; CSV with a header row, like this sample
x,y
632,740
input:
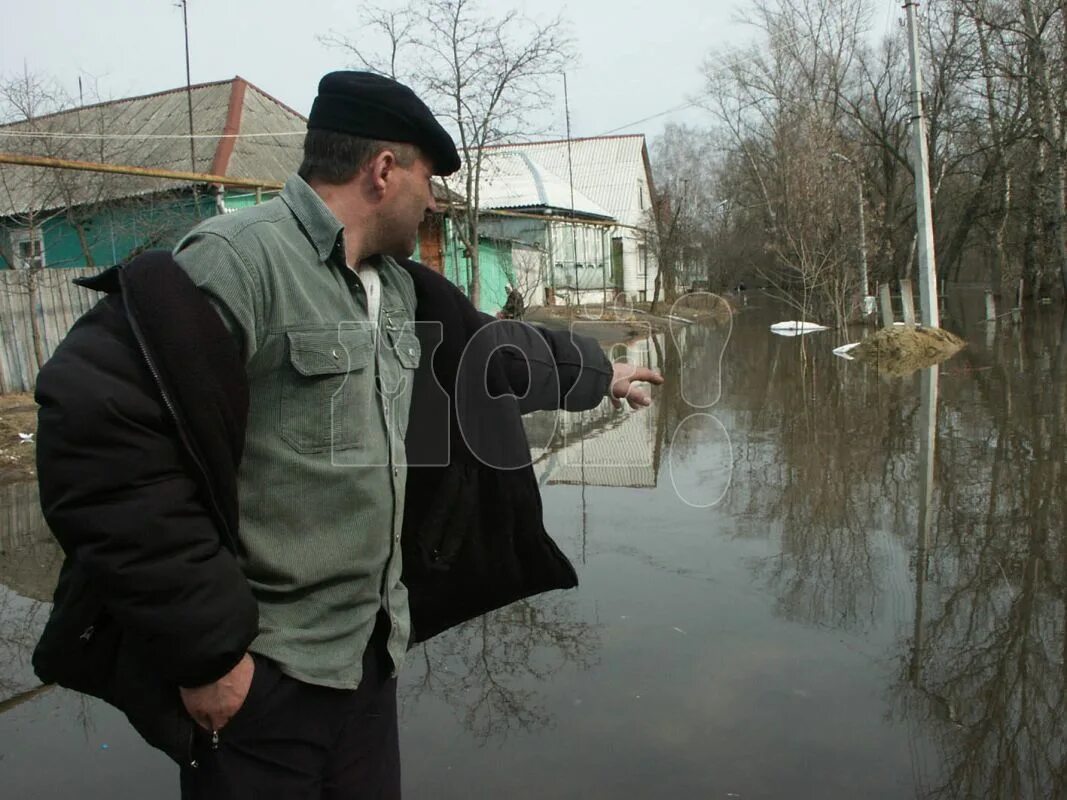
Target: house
x,y
52,217
612,182
65,218
560,239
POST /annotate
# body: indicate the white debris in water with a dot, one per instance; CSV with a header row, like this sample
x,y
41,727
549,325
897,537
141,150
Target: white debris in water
x,y
679,630
26,438
796,328
844,350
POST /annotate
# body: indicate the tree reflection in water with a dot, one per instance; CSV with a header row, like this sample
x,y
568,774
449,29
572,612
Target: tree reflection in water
x,y
837,475
490,670
986,672
29,563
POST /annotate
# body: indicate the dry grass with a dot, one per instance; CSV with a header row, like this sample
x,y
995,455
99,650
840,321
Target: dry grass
x,y
900,351
18,414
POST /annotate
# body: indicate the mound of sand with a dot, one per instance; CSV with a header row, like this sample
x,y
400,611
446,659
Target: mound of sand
x,y
902,350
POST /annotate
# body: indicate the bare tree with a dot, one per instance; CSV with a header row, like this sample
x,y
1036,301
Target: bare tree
x,y
35,201
689,207
488,77
780,109
30,198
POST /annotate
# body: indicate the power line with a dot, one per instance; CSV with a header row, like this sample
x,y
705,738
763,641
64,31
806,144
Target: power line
x,y
737,60
682,107
141,136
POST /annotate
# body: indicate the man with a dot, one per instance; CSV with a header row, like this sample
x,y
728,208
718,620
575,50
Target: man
x,y
514,306
264,580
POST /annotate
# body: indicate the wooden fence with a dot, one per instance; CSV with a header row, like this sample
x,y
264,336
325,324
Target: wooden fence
x,y
56,302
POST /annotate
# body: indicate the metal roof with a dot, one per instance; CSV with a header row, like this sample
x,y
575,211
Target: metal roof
x,y
124,132
514,179
607,169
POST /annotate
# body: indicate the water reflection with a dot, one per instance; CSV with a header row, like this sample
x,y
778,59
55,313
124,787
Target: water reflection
x,y
29,564
886,553
986,674
603,446
964,471
490,671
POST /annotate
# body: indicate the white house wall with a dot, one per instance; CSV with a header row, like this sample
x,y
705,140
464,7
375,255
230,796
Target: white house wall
x,y
528,264
638,280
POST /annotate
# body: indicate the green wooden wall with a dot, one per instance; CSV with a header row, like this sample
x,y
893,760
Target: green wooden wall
x,y
115,232
494,267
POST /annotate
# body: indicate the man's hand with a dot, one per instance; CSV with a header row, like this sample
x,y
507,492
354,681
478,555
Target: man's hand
x,y
212,706
623,388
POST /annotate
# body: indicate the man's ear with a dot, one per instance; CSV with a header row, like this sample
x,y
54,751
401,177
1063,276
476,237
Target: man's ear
x,y
381,169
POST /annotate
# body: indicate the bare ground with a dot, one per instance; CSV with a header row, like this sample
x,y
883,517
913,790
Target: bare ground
x,y
18,415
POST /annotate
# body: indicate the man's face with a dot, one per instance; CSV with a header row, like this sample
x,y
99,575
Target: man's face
x,y
412,199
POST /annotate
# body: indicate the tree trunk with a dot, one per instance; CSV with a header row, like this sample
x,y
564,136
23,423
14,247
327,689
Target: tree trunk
x,y
1059,215
32,297
996,277
83,242
1044,113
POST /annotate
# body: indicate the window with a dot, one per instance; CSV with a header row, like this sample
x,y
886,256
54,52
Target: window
x,y
29,249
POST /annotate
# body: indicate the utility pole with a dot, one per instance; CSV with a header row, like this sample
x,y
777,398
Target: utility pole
x,y
923,213
570,180
189,87
928,383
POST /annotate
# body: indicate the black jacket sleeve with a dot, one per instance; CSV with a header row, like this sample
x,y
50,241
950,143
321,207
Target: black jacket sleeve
x,y
549,369
118,492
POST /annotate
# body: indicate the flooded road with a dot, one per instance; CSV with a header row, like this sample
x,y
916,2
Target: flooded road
x,y
798,578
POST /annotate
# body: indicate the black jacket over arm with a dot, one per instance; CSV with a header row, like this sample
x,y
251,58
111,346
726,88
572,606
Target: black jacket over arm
x,y
473,537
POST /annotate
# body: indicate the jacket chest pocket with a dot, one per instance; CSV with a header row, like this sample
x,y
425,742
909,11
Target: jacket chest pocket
x,y
328,389
406,352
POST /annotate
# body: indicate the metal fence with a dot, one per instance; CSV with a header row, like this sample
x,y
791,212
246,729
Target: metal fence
x,y
46,299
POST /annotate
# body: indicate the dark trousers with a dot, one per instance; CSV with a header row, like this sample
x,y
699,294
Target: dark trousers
x,y
294,741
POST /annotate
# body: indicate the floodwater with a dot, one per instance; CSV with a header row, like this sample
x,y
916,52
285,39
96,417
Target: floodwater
x,y
799,579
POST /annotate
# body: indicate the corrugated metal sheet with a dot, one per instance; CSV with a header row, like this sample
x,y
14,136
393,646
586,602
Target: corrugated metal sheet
x,y
607,169
267,157
166,113
514,179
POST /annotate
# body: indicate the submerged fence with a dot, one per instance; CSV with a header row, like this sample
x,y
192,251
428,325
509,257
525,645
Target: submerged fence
x,y
45,300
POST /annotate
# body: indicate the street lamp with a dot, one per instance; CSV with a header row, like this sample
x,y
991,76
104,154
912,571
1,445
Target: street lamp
x,y
868,300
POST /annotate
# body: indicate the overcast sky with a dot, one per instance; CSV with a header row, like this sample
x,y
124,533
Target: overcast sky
x,y
638,58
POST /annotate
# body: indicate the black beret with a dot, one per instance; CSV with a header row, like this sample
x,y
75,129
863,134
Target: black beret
x,y
375,107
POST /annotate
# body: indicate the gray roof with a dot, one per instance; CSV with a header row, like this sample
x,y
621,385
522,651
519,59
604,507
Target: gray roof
x,y
606,169
151,131
513,179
